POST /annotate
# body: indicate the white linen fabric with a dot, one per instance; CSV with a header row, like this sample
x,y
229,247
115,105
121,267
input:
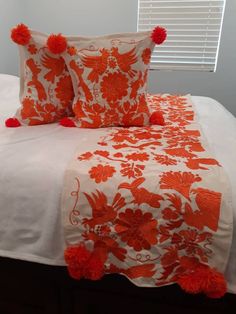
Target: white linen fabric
x,y
32,165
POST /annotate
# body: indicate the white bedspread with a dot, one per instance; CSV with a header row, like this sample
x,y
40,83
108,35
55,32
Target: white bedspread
x,y
31,181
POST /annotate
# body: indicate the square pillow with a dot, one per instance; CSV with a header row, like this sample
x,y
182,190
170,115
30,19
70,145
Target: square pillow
x,y
109,76
46,91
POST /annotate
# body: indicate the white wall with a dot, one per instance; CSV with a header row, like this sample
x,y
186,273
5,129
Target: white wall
x,y
10,15
96,17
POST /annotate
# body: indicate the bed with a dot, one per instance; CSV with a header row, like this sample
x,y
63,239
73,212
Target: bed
x,y
34,276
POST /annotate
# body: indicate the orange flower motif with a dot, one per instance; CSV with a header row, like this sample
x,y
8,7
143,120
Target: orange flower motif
x,y
138,156
189,240
179,181
114,86
101,173
64,90
32,49
102,153
111,117
72,51
146,55
165,160
85,156
131,170
137,229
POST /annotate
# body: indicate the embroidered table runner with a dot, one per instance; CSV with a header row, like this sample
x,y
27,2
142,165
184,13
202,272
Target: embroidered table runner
x,y
150,203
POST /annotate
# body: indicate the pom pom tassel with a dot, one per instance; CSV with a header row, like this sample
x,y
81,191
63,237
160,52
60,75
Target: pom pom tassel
x,y
157,118
67,122
12,123
159,35
21,34
204,279
94,269
83,264
56,43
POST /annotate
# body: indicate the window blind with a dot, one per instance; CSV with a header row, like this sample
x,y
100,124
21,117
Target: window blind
x,y
193,28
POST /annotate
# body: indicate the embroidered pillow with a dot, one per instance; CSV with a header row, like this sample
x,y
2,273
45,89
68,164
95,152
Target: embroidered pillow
x,y
46,91
109,76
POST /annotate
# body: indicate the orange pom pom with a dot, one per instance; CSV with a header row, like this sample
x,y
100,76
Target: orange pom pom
x,y
214,284
21,34
190,283
12,123
94,269
76,256
56,43
204,279
159,35
157,118
67,122
75,272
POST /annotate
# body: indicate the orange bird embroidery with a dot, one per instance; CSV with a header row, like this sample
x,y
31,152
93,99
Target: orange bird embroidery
x,y
55,65
125,60
35,69
208,212
141,195
98,64
81,83
102,212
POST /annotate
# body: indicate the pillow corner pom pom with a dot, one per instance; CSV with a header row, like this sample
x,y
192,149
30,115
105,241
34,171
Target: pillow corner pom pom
x,y
204,279
67,122
57,43
94,269
158,35
20,34
157,118
12,123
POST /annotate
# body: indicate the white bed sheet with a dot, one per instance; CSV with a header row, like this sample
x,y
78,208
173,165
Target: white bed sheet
x,y
31,180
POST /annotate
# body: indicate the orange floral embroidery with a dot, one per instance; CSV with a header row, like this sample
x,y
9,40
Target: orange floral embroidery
x,y
179,181
189,240
169,214
72,51
102,211
111,118
196,163
142,195
98,64
137,229
170,257
208,214
165,160
85,156
146,55
32,49
101,173
55,66
28,109
125,60
64,90
112,63
102,153
131,170
138,156
46,113
114,86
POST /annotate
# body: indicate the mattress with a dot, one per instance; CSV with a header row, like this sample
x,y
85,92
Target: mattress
x,y
31,181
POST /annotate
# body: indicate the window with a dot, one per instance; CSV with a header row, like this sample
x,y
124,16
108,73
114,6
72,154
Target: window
x,y
193,27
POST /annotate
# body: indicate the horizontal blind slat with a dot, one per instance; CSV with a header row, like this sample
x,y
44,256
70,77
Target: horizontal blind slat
x,y
193,28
